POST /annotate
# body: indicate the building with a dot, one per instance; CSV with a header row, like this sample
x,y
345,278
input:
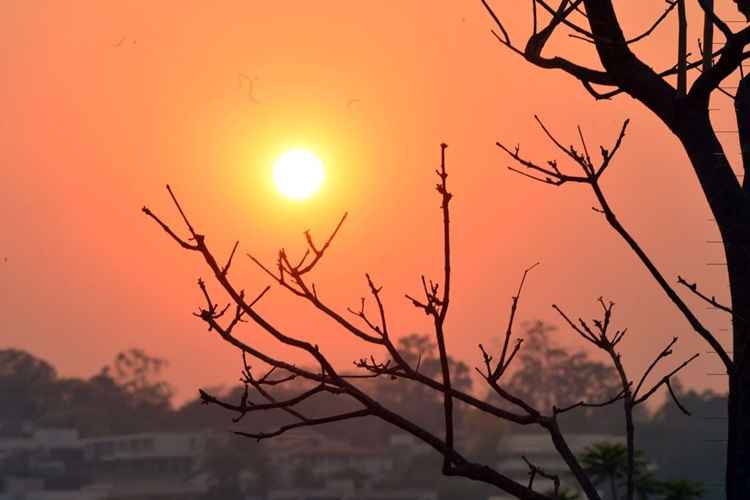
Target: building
x,y
57,464
322,458
46,464
540,451
347,490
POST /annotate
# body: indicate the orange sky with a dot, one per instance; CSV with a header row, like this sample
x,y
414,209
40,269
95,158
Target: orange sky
x,y
105,102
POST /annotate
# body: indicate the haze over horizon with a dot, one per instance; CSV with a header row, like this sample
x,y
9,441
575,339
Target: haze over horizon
x,y
106,103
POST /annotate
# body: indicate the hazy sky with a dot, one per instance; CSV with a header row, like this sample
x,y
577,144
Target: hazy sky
x,y
103,103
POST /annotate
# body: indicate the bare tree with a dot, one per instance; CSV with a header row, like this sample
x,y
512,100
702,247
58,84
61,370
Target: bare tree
x,y
374,331
684,110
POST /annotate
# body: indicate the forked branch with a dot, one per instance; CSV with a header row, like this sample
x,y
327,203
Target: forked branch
x,y
591,174
326,379
602,338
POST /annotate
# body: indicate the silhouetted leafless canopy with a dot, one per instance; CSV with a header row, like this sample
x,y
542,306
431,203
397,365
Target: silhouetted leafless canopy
x,y
679,95
386,360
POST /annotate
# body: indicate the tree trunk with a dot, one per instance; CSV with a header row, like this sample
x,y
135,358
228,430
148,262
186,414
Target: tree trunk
x,y
687,117
731,209
736,237
738,438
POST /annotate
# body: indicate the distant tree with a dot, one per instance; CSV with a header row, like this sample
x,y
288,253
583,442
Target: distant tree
x,y
413,400
481,434
681,489
607,464
25,383
233,472
699,459
706,402
564,494
88,406
131,386
421,350
549,375
16,365
140,376
646,484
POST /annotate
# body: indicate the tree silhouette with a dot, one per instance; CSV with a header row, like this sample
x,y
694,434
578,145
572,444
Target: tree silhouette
x,y
606,463
224,465
548,375
23,378
684,110
565,495
139,375
94,406
293,275
681,489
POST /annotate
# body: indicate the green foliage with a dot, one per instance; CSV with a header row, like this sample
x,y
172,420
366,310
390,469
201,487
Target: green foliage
x,y
563,494
607,465
604,460
681,489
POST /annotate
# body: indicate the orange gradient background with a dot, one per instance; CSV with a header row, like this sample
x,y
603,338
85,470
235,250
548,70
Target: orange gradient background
x,y
103,103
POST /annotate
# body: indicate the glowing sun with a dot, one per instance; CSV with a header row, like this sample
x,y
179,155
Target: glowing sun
x,y
298,174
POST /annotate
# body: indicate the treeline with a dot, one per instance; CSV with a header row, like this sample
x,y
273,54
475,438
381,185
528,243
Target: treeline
x,y
130,395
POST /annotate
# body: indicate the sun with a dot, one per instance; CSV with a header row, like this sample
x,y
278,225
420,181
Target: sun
x,y
298,174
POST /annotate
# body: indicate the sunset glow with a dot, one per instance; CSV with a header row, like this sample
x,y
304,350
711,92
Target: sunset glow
x,y
298,174
105,102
